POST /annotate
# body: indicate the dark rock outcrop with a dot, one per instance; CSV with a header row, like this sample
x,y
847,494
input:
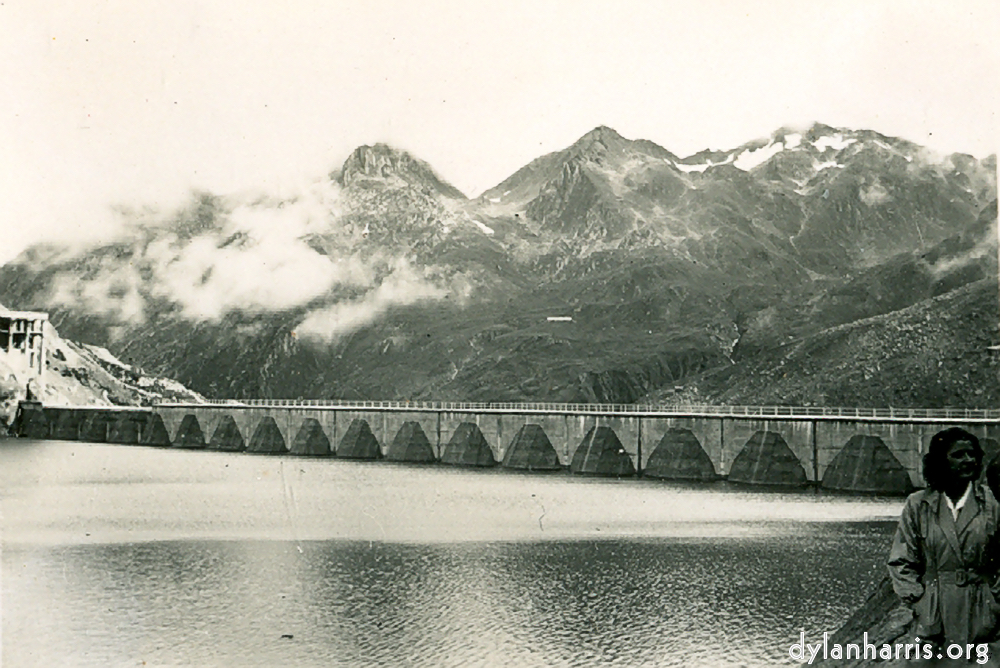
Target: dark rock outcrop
x,y
883,617
384,162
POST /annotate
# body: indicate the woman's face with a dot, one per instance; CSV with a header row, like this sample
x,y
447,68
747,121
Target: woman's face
x,y
962,460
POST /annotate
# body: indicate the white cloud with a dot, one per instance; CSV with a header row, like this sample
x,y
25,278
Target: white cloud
x,y
404,286
113,293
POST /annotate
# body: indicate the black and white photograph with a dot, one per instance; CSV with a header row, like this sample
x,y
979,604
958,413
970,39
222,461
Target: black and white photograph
x,y
538,334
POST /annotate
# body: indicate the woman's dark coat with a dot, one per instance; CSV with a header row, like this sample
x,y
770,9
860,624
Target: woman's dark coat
x,y
948,569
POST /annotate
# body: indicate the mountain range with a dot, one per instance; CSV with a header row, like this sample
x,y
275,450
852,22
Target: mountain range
x,y
610,271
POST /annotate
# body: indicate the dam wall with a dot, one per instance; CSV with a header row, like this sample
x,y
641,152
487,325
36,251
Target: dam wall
x,y
854,450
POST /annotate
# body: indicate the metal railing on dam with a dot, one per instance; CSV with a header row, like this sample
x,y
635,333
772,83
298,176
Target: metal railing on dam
x,y
850,449
673,410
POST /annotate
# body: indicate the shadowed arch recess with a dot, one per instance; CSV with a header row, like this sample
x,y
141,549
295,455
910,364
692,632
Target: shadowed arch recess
x,y
189,434
155,432
359,442
866,464
410,445
601,453
267,438
766,459
531,450
311,440
679,456
227,436
468,447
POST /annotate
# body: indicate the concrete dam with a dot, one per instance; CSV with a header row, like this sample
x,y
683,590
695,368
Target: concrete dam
x,y
876,451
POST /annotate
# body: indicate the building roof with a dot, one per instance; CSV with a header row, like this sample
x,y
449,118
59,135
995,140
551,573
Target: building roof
x,y
24,315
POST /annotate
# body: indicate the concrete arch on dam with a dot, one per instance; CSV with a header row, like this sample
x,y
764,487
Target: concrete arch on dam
x,y
865,464
557,430
458,427
468,447
766,459
227,436
680,456
267,438
907,441
601,453
189,434
531,450
155,432
384,425
359,442
311,440
792,445
627,431
707,431
410,444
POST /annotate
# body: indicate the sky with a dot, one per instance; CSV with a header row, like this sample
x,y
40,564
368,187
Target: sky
x,y
108,104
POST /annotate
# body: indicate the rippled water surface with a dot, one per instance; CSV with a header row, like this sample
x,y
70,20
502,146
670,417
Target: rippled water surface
x,y
118,556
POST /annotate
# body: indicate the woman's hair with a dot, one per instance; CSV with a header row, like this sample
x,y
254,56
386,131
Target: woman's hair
x,y
936,470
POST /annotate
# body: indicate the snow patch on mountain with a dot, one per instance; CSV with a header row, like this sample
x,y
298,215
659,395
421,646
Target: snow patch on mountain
x,y
702,166
486,229
837,142
692,168
793,140
874,194
749,159
828,164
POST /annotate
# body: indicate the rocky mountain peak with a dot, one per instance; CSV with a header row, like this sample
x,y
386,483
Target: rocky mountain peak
x,y
384,162
601,138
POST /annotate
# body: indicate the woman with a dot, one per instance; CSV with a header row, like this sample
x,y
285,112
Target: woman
x,y
941,560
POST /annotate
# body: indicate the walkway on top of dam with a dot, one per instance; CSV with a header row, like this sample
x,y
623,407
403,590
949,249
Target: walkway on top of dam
x,y
859,450
964,415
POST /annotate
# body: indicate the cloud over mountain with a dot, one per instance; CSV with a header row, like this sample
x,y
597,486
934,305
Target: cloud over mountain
x,y
383,280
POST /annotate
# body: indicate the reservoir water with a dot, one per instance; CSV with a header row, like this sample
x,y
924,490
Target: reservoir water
x,y
130,556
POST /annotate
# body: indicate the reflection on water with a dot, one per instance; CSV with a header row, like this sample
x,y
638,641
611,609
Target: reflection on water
x,y
655,602
231,552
